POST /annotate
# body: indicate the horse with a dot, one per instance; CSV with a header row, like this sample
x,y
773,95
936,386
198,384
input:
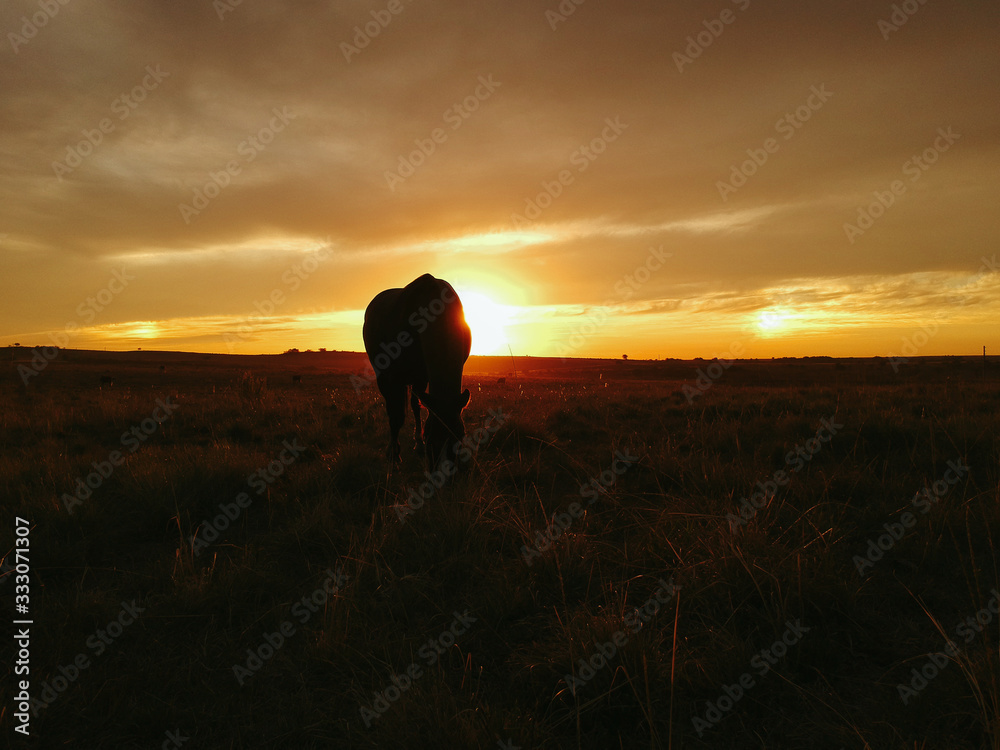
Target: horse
x,y
417,338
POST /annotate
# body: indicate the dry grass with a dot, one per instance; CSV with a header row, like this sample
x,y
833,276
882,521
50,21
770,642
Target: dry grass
x,y
504,677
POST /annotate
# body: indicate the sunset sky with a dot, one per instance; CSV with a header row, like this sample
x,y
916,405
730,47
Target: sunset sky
x,y
596,179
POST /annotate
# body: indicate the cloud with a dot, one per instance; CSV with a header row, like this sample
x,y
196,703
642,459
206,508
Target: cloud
x,y
202,128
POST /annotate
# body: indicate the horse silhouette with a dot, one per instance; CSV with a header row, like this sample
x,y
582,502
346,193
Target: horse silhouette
x,y
417,338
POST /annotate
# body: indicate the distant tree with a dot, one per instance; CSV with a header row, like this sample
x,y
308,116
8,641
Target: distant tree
x,y
625,357
322,349
292,351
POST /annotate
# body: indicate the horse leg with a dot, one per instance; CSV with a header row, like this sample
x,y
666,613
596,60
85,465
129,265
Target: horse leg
x,y
395,407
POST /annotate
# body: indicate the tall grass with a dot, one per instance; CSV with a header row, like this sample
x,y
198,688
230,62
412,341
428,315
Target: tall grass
x,y
663,517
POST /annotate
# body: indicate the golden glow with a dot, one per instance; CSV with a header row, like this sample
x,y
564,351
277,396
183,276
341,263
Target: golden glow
x,y
147,330
487,320
842,316
495,241
132,331
772,320
257,248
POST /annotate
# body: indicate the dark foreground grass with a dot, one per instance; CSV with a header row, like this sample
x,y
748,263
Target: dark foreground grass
x,y
442,628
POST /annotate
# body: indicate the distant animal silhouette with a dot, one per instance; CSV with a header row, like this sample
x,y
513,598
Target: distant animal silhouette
x,y
417,337
296,378
107,380
501,381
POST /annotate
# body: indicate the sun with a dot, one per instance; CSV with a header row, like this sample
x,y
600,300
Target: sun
x,y
771,320
487,320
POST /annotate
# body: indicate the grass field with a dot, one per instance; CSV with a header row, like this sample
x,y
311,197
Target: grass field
x,y
250,575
